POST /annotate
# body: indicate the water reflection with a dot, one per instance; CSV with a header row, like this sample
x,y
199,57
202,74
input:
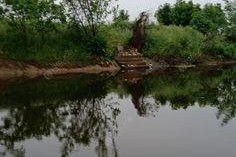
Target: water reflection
x,y
80,110
76,111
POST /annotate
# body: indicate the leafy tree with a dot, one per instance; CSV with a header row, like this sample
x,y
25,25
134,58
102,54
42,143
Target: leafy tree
x,y
210,19
230,9
1,12
121,20
88,15
123,16
163,14
201,22
182,12
28,16
179,14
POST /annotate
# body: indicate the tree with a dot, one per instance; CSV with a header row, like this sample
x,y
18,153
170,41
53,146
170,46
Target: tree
x,y
88,15
1,12
163,14
230,9
29,16
201,23
210,19
182,12
179,14
46,16
121,20
123,16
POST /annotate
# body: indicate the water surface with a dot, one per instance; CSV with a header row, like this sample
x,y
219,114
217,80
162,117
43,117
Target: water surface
x,y
174,113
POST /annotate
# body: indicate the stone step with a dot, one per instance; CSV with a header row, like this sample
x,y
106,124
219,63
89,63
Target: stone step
x,y
130,60
134,66
133,63
128,56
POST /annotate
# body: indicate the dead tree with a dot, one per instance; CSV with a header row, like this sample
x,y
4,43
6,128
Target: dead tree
x,y
139,33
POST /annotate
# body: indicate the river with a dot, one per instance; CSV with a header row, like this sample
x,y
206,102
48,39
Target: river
x,y
169,113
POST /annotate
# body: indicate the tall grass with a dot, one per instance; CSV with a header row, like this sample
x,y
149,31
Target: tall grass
x,y
116,35
67,44
57,46
173,41
221,47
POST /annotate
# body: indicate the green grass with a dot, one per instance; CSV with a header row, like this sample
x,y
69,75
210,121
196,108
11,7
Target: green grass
x,y
67,45
115,35
173,41
57,46
221,47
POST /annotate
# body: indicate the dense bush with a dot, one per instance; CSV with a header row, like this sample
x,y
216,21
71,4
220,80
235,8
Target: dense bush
x,y
116,35
58,46
209,20
173,41
230,10
46,32
220,47
179,14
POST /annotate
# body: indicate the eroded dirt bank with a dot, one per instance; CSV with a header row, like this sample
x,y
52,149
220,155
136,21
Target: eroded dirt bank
x,y
11,69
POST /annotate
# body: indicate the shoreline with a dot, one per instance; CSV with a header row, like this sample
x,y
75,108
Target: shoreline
x,y
15,69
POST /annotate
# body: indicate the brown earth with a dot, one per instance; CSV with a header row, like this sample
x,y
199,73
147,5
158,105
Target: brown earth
x,y
204,60
10,70
13,69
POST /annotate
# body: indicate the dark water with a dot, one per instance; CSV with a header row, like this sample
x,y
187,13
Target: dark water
x,y
175,113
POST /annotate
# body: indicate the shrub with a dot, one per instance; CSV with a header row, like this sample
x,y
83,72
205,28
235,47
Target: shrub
x,y
115,35
220,47
59,46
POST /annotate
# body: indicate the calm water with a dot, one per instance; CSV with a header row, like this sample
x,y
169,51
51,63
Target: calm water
x,y
174,113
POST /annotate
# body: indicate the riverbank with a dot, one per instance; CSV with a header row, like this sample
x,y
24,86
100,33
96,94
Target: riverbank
x,y
15,69
203,60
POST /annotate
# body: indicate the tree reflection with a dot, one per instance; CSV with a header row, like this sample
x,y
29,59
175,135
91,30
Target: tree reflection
x,y
140,100
213,87
79,111
74,121
208,87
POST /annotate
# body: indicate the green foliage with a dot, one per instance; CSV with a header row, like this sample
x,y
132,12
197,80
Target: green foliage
x,y
97,45
173,41
163,14
182,12
123,16
1,12
220,47
201,23
28,17
122,20
59,46
230,9
89,15
114,35
209,20
75,30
